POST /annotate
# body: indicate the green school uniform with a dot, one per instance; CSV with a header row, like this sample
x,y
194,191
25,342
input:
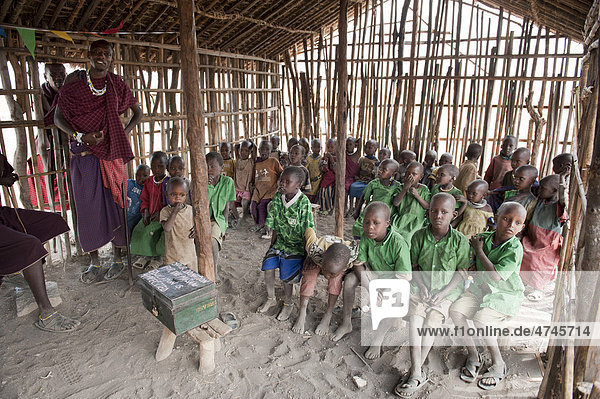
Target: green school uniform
x,y
438,260
218,197
375,191
506,294
410,215
390,255
289,220
454,191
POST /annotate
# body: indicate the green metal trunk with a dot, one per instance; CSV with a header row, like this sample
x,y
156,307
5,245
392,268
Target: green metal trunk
x,y
178,297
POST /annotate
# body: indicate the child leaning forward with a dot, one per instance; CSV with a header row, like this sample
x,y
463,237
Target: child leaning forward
x,y
289,217
495,295
331,257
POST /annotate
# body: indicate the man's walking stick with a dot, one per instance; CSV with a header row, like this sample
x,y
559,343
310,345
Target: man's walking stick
x,y
127,238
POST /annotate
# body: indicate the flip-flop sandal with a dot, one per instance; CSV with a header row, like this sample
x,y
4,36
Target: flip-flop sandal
x,y
56,322
230,319
471,369
535,296
90,275
408,388
492,373
115,270
140,263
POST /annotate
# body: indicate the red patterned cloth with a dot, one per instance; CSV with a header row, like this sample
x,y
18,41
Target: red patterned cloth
x,y
113,173
88,113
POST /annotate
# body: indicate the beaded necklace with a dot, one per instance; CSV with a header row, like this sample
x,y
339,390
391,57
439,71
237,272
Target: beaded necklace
x,y
160,181
95,92
478,205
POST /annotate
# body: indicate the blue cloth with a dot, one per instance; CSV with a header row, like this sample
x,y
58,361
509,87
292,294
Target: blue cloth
x,y
290,266
356,189
134,191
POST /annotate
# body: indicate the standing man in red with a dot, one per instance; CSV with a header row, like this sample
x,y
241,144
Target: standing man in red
x,y
87,110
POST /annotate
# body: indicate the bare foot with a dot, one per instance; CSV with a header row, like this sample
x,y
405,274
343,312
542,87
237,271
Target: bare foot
x,y
267,305
285,312
342,330
373,352
323,327
298,327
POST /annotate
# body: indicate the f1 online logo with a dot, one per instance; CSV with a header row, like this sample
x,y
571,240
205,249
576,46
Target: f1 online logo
x,y
389,298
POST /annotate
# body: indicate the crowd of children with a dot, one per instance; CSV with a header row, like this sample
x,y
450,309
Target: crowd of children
x,y
418,217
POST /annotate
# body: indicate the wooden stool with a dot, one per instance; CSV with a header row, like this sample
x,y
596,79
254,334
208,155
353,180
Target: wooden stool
x,y
207,335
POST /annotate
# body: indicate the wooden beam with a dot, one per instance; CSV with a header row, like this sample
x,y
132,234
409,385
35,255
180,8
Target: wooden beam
x,y
196,137
228,24
342,109
40,13
87,14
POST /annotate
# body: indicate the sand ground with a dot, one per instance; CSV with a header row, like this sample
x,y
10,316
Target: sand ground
x,y
112,354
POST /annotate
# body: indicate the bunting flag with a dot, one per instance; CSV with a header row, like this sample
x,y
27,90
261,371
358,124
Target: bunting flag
x,y
2,33
63,35
113,30
28,36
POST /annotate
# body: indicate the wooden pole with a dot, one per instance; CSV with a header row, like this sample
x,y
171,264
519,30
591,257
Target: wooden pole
x,y
196,137
342,109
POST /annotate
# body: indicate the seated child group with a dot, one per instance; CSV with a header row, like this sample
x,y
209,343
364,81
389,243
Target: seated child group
x,y
429,216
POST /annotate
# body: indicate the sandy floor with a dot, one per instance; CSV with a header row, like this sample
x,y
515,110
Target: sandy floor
x,y
112,355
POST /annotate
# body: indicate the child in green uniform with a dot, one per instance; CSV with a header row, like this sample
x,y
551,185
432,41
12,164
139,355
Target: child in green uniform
x,y
289,216
436,253
524,177
383,189
446,174
411,202
496,293
221,191
381,249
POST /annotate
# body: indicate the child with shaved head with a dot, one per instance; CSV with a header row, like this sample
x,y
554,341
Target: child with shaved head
x,y
495,294
520,157
411,202
500,163
524,178
543,237
331,257
436,253
381,249
177,219
383,189
467,172
446,174
289,216
474,216
428,164
406,157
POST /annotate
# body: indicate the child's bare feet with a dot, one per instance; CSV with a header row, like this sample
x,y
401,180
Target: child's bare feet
x,y
343,329
373,352
285,312
323,327
298,327
267,305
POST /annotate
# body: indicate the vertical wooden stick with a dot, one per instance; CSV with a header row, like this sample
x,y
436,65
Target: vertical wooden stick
x,y
342,109
195,137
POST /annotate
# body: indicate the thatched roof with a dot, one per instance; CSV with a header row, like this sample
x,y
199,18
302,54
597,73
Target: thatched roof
x,y
567,17
252,27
